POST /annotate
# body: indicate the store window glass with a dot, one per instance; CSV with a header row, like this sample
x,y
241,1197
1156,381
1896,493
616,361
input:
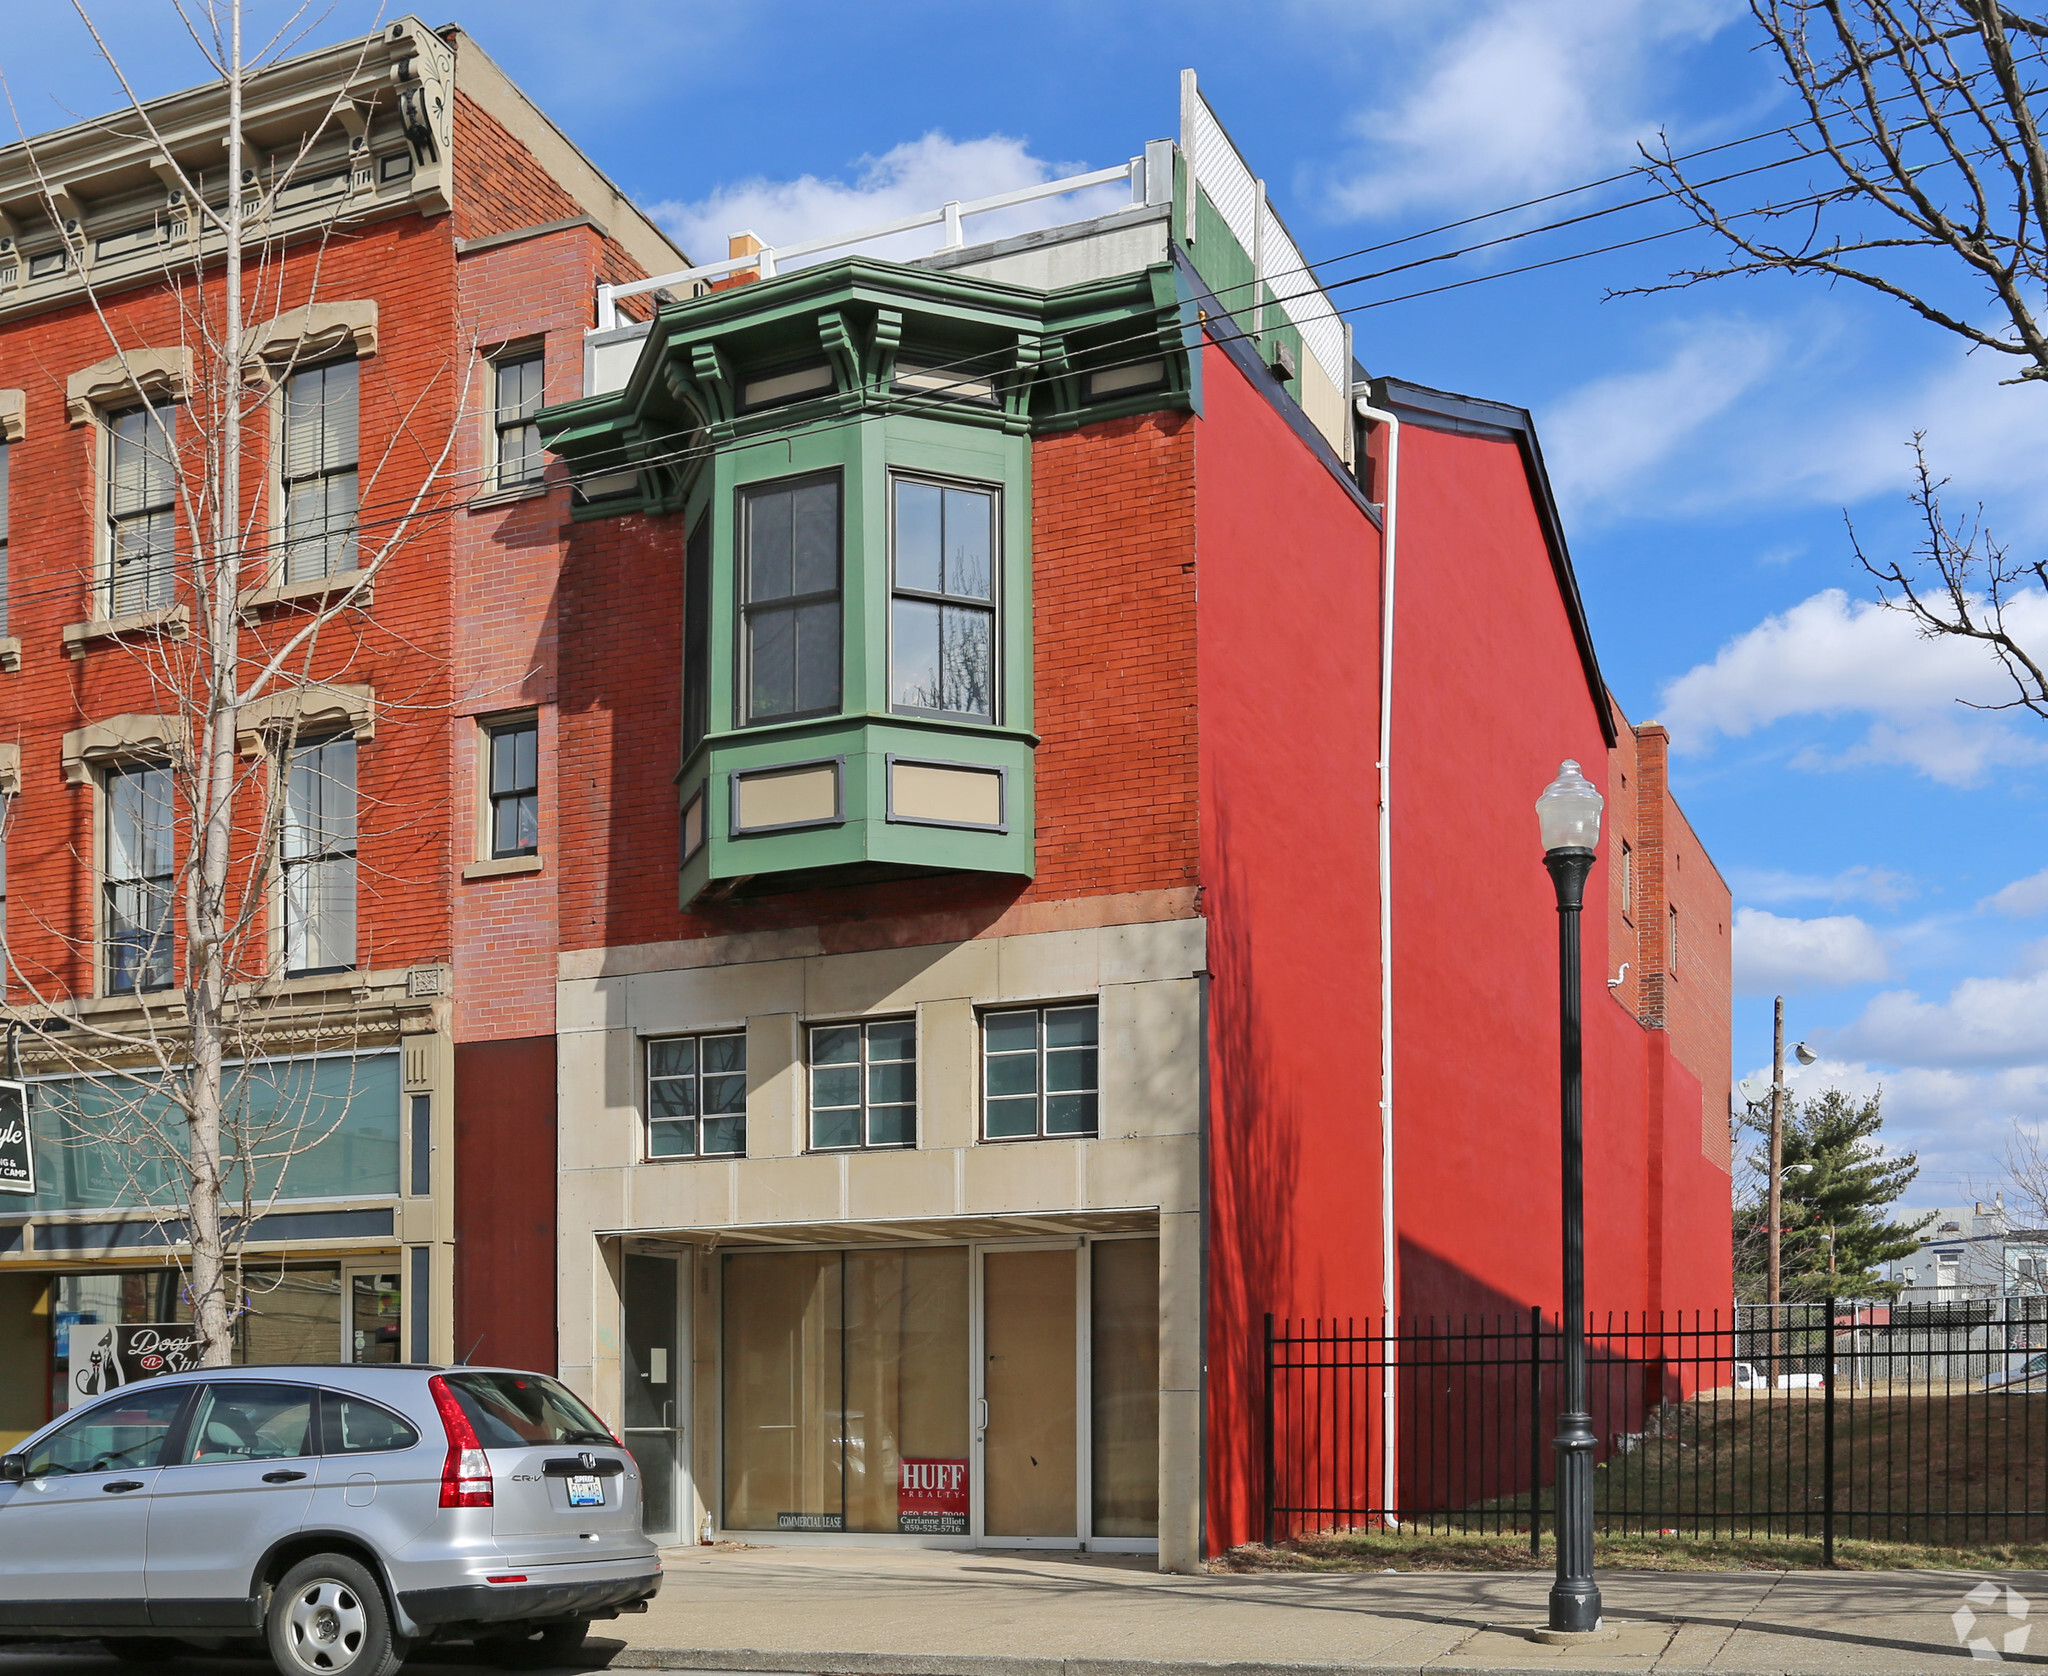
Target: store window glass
x,y
1124,1360
846,1391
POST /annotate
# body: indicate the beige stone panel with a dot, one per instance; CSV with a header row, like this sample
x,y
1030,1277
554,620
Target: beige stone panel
x,y
692,1193
607,1370
1023,1176
712,998
1174,948
598,1096
1049,965
790,1189
587,1200
1180,1301
888,1184
891,980
1151,1058
1162,1170
1180,1481
775,1087
596,1005
947,1059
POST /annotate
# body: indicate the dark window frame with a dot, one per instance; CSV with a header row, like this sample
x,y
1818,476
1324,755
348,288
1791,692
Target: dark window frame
x,y
743,663
1042,1050
867,1105
992,606
520,356
496,797
695,1078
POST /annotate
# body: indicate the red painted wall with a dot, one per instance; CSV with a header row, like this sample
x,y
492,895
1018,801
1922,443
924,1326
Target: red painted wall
x,y
1288,574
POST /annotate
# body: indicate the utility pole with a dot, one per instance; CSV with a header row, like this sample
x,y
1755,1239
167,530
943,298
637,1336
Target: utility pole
x,y
1777,1146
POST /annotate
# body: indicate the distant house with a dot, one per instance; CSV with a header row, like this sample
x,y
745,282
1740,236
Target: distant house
x,y
1971,1252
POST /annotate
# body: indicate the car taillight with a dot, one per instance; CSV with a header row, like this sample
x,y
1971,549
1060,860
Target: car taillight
x,y
466,1472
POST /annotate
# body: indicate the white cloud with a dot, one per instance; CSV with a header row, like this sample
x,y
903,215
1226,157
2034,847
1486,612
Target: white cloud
x,y
1604,440
1853,884
1776,954
916,176
1831,656
1528,95
1984,1021
2022,899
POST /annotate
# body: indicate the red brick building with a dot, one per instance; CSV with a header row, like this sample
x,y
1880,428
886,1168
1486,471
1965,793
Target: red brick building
x,y
980,995
425,246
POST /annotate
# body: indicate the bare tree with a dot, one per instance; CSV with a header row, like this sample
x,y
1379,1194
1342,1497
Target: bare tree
x,y
157,1095
1923,118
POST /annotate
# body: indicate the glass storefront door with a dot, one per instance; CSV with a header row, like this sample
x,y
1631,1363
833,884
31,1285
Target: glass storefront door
x,y
1029,1402
374,1301
656,1392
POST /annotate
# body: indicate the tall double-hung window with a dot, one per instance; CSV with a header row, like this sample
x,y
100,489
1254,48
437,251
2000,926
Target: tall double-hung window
x,y
943,615
319,857
790,598
320,454
517,459
142,502
136,911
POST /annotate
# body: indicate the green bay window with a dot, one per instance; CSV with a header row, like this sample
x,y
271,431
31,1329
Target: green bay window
x,y
790,571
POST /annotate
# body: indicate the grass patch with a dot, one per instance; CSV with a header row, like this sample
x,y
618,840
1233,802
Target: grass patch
x,y
1459,1551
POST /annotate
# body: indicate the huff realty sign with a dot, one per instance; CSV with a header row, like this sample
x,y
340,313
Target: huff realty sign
x,y
17,1157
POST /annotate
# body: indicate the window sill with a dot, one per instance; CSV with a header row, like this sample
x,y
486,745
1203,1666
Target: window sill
x,y
10,651
315,590
508,497
171,621
503,868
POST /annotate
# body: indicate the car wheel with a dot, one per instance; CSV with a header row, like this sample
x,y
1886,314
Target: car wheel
x,y
144,1649
328,1618
537,1646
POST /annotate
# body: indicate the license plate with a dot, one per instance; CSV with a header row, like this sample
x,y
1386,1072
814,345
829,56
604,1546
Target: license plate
x,y
586,1492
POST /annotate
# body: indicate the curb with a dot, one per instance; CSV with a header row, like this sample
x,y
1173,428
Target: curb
x,y
742,1661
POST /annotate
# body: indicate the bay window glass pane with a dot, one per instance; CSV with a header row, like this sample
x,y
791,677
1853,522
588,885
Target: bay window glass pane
x,y
917,536
966,661
917,683
771,663
791,572
1124,1371
814,538
968,516
817,656
768,571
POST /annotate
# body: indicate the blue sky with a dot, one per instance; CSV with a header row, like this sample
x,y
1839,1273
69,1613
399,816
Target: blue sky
x,y
1883,842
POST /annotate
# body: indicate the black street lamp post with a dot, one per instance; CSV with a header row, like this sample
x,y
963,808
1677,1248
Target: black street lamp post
x,y
1569,813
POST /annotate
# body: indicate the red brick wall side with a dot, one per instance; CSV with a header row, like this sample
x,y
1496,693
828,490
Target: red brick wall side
x,y
1113,593
399,646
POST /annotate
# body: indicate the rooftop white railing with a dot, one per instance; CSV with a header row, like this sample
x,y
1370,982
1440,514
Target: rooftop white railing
x,y
1150,177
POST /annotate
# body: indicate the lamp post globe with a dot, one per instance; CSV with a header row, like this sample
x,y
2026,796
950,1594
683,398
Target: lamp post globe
x,y
1568,814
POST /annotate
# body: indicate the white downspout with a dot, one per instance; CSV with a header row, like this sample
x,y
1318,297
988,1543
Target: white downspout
x,y
1390,512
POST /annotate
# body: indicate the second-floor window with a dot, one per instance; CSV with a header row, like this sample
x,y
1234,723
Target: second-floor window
x,y
789,582
142,499
320,454
864,1084
137,907
1039,1072
515,788
697,1096
942,620
318,858
516,457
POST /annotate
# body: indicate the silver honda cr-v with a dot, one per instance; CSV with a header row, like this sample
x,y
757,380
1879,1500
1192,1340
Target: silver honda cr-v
x,y
345,1514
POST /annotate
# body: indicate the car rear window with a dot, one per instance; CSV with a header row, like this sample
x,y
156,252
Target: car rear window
x,y
355,1426
514,1410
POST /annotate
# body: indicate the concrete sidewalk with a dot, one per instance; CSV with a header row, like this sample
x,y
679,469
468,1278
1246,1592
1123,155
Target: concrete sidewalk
x,y
889,1612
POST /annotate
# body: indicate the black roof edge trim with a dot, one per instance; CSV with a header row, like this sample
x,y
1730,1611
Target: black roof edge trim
x,y
1235,342
1476,416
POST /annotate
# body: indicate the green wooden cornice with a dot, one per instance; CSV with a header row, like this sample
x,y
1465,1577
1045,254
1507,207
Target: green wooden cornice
x,y
859,316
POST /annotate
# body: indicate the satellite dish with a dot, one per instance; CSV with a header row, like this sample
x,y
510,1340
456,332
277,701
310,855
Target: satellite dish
x,y
1804,1054
1751,1090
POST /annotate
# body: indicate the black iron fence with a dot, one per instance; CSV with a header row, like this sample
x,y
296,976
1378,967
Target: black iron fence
x,y
1830,1420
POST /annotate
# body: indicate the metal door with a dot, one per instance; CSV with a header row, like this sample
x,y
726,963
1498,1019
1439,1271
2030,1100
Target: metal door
x,y
655,1376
